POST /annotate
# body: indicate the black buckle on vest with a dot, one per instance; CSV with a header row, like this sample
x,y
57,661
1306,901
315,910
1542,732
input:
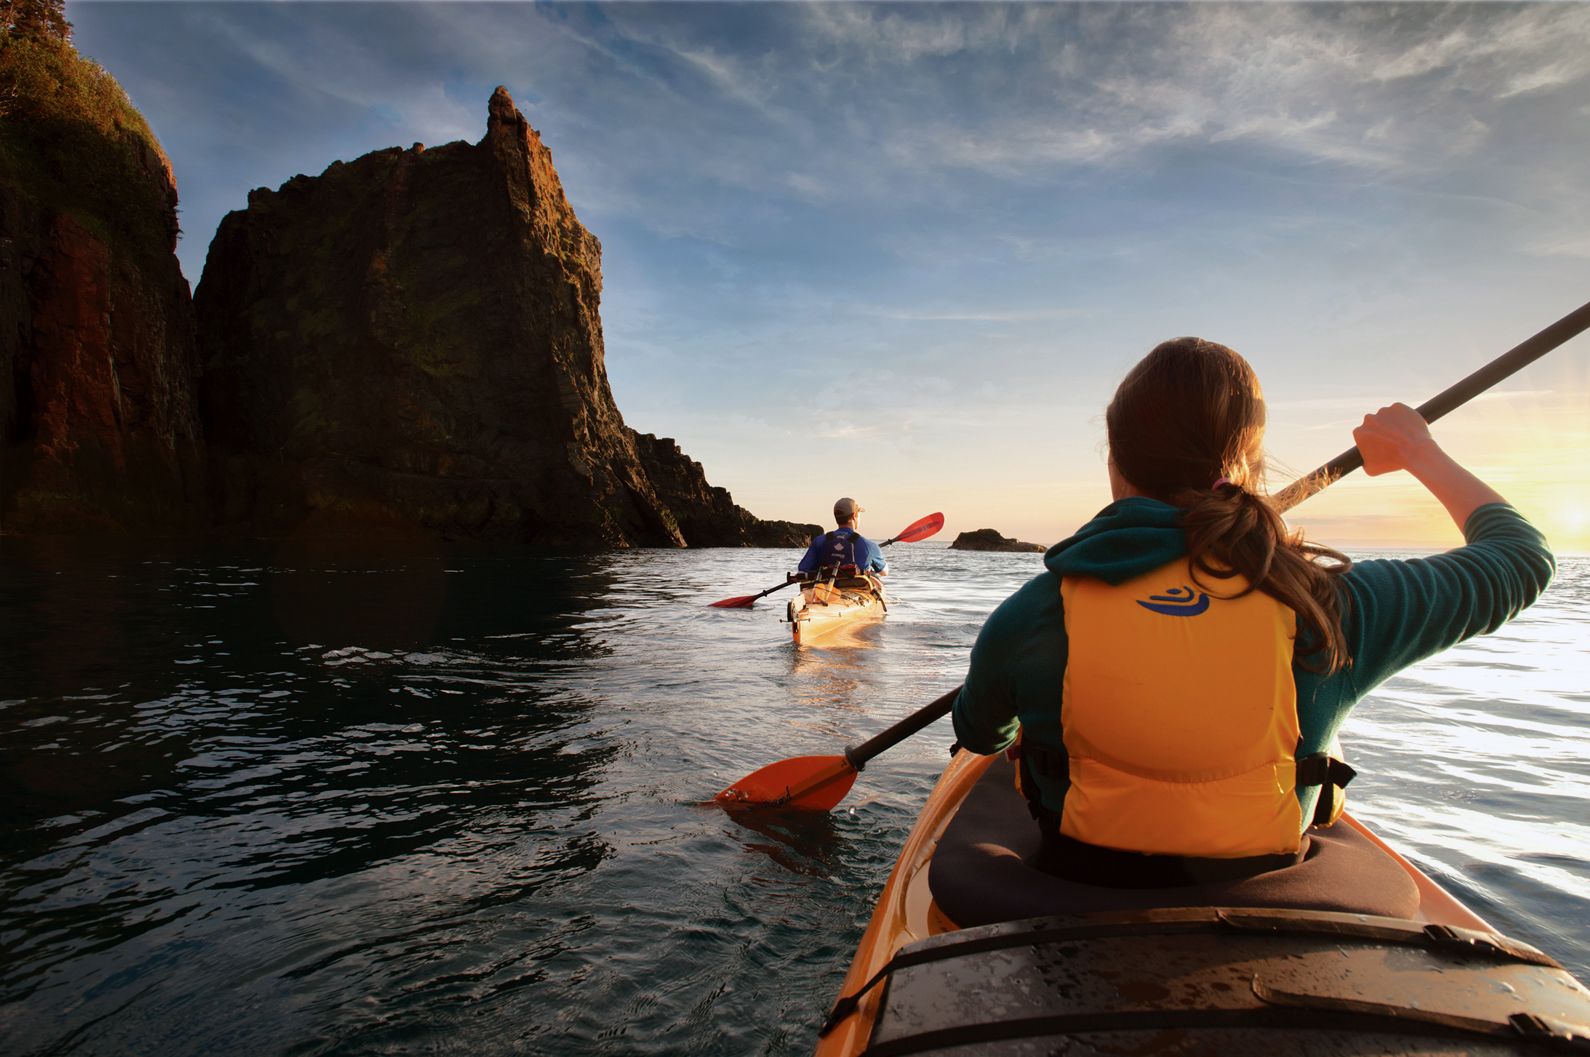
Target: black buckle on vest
x,y
1324,769
1332,776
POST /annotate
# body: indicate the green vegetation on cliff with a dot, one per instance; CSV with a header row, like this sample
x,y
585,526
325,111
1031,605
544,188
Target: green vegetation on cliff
x,y
42,19
72,138
99,424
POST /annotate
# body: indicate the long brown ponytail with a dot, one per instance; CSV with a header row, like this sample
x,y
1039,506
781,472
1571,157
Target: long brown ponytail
x,y
1186,426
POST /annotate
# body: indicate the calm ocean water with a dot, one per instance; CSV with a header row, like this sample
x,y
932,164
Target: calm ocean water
x,y
289,802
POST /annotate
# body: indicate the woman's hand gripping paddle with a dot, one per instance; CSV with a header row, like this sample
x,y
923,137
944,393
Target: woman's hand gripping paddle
x,y
1450,399
818,783
920,529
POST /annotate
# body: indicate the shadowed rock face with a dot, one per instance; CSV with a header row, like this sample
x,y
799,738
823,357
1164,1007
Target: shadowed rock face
x,y
407,345
990,540
707,516
412,340
99,427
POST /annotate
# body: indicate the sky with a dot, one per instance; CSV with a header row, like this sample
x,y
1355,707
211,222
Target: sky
x,y
905,252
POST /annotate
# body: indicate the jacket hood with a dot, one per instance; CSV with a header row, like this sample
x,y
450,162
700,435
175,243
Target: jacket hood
x,y
1126,539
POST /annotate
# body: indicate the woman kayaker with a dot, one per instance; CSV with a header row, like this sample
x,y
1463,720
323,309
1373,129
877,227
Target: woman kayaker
x,y
1179,673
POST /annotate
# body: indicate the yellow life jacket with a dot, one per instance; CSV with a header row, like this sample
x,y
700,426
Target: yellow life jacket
x,y
1179,716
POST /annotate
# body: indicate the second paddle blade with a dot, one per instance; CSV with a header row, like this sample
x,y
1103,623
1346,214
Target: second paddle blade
x,y
921,529
740,602
810,783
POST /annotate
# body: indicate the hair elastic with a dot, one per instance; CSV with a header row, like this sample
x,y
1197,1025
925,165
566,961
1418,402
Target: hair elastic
x,y
1221,481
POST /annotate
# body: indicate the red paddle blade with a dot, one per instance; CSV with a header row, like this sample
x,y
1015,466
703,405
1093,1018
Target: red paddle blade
x,y
921,530
809,783
738,602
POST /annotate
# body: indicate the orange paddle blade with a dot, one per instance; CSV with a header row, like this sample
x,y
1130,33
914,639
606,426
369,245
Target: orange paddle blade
x,y
920,530
810,783
745,601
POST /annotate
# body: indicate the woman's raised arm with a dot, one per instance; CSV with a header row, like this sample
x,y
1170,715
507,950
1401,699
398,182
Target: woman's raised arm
x,y
1397,438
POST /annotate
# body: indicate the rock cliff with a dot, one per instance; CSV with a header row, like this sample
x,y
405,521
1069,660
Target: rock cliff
x,y
989,540
412,339
98,417
407,344
707,515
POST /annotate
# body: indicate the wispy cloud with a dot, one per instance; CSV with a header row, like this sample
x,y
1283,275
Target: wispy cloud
x,y
939,315
1576,245
361,76
1318,81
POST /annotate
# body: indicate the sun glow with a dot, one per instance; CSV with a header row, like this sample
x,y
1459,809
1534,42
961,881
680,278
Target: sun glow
x,y
1568,525
1531,445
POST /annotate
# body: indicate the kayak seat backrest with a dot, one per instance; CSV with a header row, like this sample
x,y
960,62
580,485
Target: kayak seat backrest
x,y
830,572
980,872
837,590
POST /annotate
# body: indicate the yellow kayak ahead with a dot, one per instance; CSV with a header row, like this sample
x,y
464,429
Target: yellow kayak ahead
x,y
971,951
826,607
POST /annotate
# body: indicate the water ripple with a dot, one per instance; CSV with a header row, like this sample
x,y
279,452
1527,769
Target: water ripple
x,y
300,802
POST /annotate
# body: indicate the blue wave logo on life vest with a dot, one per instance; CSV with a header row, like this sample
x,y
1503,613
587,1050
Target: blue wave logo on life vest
x,y
1177,602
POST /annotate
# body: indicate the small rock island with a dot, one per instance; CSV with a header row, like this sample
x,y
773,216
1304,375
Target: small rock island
x,y
989,540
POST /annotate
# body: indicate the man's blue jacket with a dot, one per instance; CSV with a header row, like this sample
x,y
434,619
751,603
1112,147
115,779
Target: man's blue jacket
x,y
843,546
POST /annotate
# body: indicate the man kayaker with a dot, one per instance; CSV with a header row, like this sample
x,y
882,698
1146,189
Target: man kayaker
x,y
845,545
1179,673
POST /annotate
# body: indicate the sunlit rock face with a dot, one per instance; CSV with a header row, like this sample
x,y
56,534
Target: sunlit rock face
x,y
99,428
412,339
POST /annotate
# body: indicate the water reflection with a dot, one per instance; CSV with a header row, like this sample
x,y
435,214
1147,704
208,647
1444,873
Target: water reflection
x,y
805,842
313,743
831,678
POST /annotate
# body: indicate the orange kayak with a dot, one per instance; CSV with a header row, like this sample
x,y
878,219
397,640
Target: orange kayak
x,y
991,957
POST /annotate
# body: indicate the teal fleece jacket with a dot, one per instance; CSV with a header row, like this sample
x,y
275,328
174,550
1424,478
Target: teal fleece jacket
x,y
1396,612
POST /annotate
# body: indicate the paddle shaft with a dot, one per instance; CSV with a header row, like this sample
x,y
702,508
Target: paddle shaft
x,y
1453,397
892,736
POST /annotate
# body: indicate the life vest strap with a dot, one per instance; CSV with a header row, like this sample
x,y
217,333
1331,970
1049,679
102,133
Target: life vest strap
x,y
1331,775
1324,769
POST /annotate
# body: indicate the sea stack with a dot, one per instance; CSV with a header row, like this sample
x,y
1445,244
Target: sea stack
x,y
411,341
